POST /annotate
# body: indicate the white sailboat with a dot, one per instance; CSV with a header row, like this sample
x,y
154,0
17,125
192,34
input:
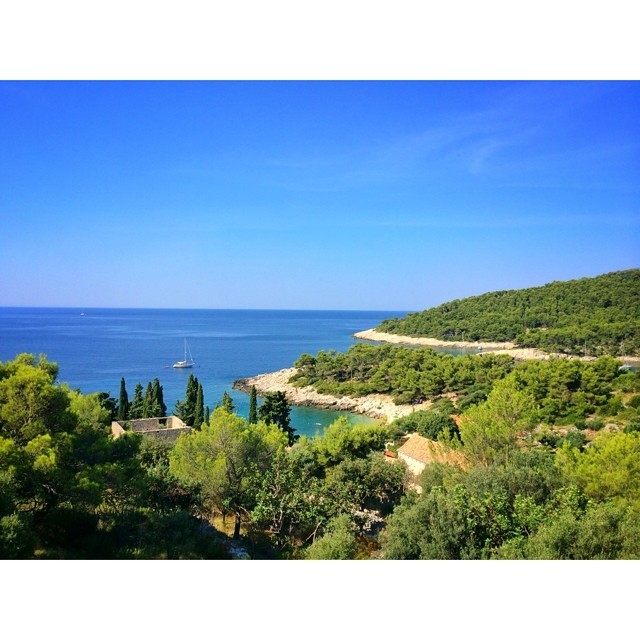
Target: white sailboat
x,y
185,364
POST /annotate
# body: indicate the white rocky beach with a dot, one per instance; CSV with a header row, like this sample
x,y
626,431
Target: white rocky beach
x,y
508,348
379,336
378,406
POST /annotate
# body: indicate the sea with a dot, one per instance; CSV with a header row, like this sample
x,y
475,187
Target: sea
x,y
95,348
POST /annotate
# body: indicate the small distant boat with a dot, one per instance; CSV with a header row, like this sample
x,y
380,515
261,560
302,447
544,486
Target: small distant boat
x,y
186,363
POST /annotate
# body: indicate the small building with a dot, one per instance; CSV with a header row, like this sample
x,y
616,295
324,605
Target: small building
x,y
417,452
168,428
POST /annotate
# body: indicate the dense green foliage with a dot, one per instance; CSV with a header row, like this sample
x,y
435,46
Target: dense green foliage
x,y
526,508
409,375
564,391
430,424
516,498
219,460
490,430
338,543
69,490
602,313
149,405
291,494
540,470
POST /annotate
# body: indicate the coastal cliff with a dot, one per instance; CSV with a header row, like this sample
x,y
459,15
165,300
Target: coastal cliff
x,y
377,406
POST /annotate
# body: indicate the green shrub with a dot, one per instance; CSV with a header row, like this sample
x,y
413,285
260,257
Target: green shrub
x,y
634,425
627,382
475,394
429,424
574,439
581,423
634,401
443,405
338,543
611,408
550,439
595,423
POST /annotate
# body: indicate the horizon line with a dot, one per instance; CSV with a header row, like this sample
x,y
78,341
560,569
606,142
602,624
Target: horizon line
x,y
197,308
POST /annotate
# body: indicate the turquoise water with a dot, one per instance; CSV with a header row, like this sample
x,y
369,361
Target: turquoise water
x,y
96,347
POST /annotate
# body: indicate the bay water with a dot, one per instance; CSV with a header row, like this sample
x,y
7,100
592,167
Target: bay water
x,y
94,348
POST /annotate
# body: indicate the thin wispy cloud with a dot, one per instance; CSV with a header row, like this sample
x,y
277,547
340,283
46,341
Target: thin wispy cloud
x,y
500,138
468,142
490,221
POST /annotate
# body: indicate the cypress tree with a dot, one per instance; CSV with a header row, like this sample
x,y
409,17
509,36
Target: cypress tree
x,y
136,407
206,414
253,406
198,413
158,399
123,402
191,396
185,410
147,404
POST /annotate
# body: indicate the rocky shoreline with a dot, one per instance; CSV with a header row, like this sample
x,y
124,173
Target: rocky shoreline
x,y
377,406
381,406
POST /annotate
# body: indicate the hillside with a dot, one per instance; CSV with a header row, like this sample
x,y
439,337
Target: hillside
x,y
601,314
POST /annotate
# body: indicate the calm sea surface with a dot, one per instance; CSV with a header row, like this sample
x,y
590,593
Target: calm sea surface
x,y
96,347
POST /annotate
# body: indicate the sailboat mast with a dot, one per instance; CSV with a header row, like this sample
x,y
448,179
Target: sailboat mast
x,y
185,364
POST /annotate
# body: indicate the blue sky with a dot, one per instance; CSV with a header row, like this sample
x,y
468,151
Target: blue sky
x,y
312,195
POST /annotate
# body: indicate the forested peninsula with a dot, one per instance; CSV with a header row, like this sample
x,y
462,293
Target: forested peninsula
x,y
590,316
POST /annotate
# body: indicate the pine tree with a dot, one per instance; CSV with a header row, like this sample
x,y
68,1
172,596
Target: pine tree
x,y
123,402
275,410
198,414
253,406
158,399
136,407
227,402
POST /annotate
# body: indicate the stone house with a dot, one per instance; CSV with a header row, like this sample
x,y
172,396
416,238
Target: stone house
x,y
168,428
417,452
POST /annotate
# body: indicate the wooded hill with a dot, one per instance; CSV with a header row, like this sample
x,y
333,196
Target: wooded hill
x,y
600,315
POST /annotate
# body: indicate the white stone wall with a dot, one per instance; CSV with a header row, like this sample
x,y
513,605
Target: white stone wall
x,y
415,466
